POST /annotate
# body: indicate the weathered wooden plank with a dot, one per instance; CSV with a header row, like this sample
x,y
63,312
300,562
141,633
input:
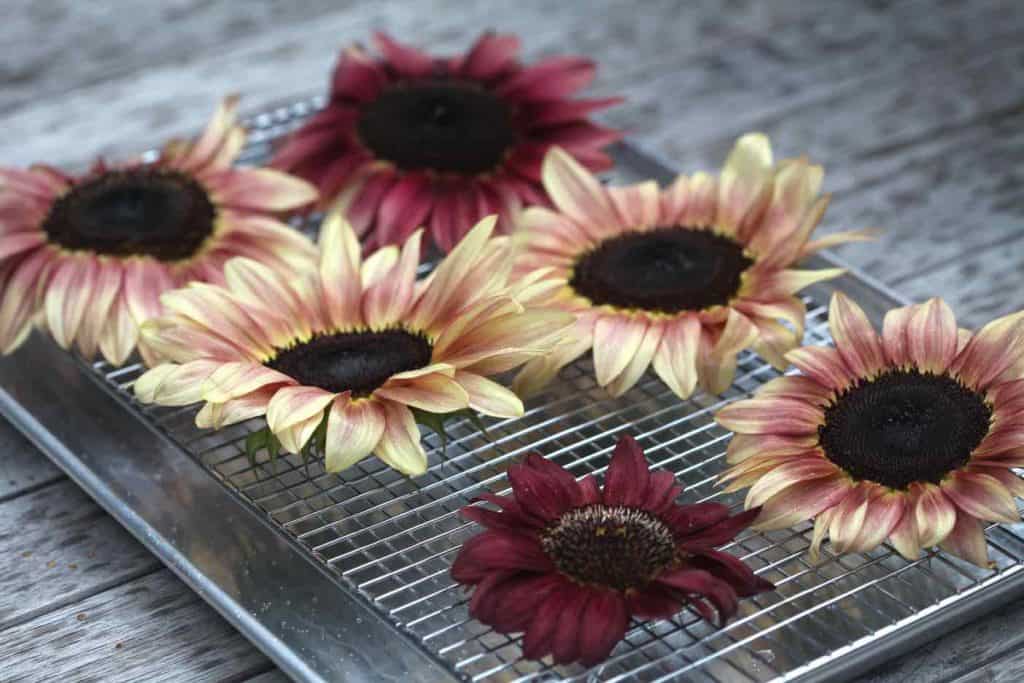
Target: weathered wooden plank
x,y
633,47
22,466
272,676
964,654
57,547
151,629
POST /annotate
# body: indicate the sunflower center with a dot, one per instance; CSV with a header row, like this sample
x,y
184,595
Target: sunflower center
x,y
145,212
359,362
446,126
904,426
667,270
614,547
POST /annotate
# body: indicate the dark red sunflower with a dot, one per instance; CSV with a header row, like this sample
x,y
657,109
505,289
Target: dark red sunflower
x,y
568,564
409,139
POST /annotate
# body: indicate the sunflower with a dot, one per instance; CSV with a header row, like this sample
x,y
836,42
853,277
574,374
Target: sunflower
x,y
88,256
356,343
685,277
408,139
910,437
567,564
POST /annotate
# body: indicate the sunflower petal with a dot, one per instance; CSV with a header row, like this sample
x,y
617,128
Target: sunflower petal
x,y
786,475
616,340
771,416
745,180
340,271
822,364
675,360
354,428
932,336
717,363
293,405
435,393
934,513
966,540
981,496
576,192
855,339
400,446
489,397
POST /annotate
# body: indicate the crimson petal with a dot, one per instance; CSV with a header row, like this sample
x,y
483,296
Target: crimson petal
x,y
603,625
628,476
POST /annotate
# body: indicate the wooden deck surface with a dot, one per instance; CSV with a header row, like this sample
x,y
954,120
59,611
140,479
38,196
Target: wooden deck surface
x,y
915,107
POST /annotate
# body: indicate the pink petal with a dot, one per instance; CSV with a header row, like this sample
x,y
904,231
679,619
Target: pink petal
x,y
742,447
549,79
996,348
107,284
617,339
849,516
258,189
981,496
803,500
796,387
68,296
885,509
787,475
854,337
822,364
932,336
904,536
356,77
934,513
771,416
554,112
576,192
405,60
387,301
491,55
967,541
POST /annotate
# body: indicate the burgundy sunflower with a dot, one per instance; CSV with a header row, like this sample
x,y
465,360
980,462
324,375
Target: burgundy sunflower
x,y
568,564
87,257
409,139
910,437
680,278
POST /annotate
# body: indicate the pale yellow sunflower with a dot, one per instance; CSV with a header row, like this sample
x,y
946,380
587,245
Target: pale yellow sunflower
x,y
681,278
910,436
358,343
87,256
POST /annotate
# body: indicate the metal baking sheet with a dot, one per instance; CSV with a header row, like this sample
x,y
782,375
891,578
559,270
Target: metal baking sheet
x,y
346,577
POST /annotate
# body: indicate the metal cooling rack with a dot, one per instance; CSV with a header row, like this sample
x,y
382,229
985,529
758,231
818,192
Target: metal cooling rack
x,y
337,576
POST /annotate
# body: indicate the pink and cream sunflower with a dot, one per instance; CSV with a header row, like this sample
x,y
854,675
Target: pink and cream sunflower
x,y
683,278
567,563
409,139
87,256
910,437
356,343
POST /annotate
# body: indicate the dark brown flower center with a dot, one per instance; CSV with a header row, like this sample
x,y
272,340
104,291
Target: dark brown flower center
x,y
904,426
667,270
146,212
614,547
359,362
446,126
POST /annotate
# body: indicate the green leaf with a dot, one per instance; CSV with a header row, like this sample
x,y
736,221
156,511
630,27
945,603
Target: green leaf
x,y
254,443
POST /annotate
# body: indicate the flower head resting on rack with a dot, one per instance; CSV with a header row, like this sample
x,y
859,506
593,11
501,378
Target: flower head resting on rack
x,y
681,278
351,346
88,256
909,436
567,563
409,139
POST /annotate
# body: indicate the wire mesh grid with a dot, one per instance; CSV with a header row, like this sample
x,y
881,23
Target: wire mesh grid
x,y
392,540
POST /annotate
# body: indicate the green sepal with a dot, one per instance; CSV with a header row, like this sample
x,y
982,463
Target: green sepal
x,y
436,423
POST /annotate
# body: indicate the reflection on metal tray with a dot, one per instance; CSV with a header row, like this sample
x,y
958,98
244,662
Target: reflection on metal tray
x,y
347,576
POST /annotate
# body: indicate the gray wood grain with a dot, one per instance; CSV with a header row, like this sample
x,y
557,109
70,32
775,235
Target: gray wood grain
x,y
22,466
915,107
57,547
150,629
